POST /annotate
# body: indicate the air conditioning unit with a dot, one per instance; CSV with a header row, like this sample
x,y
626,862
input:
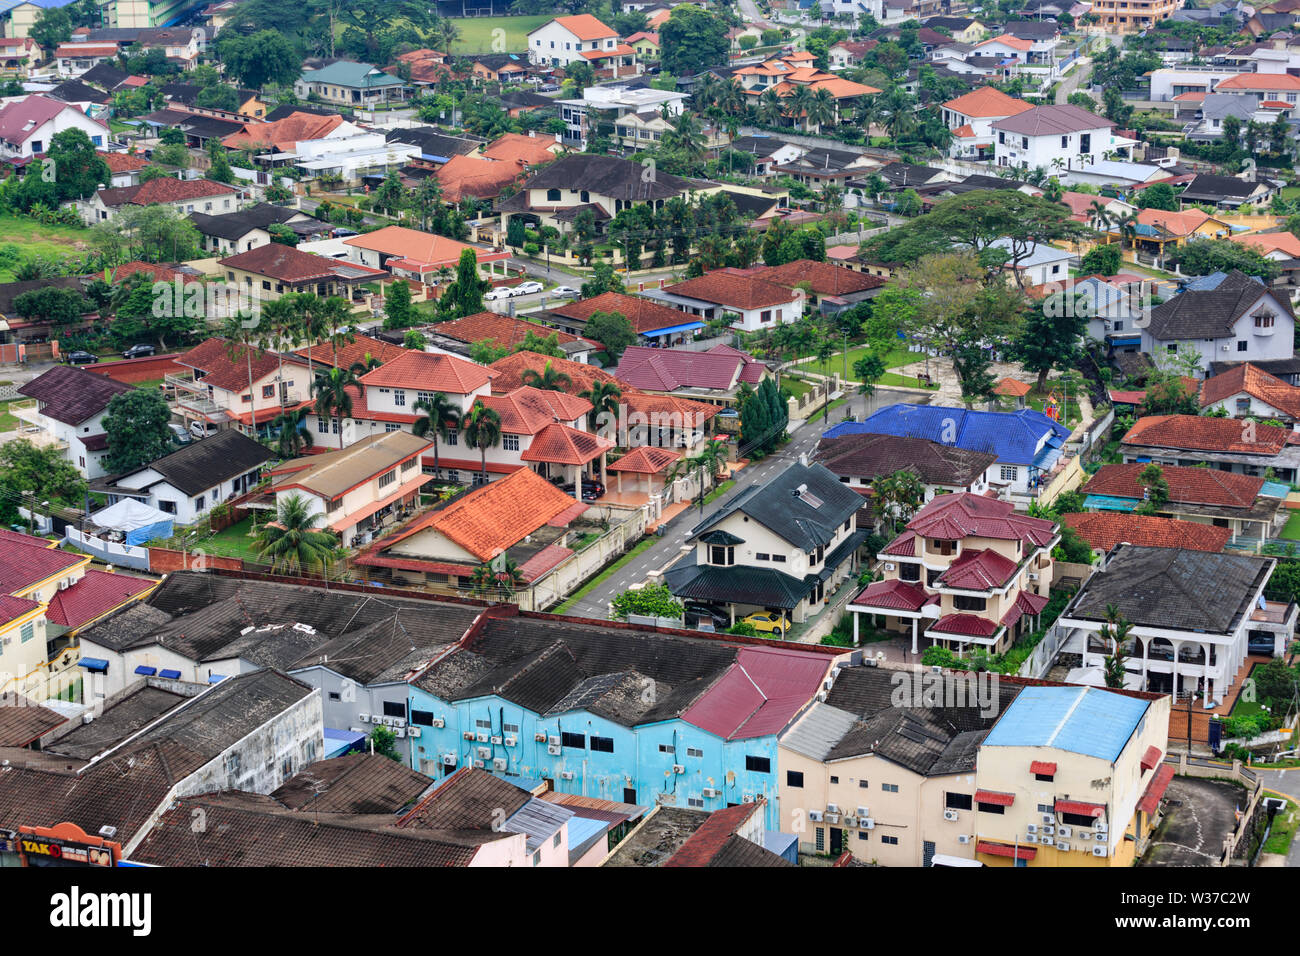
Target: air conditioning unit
x,y
497,741
482,738
1064,831
1032,828
710,792
364,718
449,760
484,753
540,738
554,740
1033,575
511,741
963,838
439,722
832,817
863,812
678,768
950,814
566,775
749,798
414,732
500,764
1049,818
1100,828
815,816
1062,846
850,821
1227,348
399,732
890,566
468,735
1084,835
1031,838
832,808
867,824
1099,851
553,749
1048,830
936,669
399,722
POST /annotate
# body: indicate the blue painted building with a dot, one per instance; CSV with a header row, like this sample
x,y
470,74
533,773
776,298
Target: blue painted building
x,y
613,713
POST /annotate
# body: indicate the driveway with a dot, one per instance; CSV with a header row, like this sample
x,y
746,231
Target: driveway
x,y
1199,816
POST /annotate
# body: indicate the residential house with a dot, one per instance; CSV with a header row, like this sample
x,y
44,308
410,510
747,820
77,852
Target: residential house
x,y
784,547
1038,264
1238,502
1194,615
123,167
963,29
582,37
1224,443
966,572
714,376
18,18
284,134
1228,316
1044,134
659,325
184,195
190,482
1227,192
227,387
971,117
67,412
419,256
1276,246
754,303
646,44
458,335
848,54
345,83
267,272
1027,443
28,124
626,110
18,55
832,288
734,837
246,229
858,459
1103,530
1247,391
783,74
1132,16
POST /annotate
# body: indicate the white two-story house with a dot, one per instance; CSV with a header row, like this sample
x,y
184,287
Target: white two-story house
x,y
1040,136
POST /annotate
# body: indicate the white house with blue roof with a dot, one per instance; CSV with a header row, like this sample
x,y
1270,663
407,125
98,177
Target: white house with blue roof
x,y
1071,776
1027,443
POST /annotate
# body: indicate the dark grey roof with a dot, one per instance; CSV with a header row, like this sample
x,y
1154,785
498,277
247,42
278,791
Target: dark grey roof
x,y
202,465
71,395
235,225
796,518
76,91
739,584
1205,186
280,112
1199,591
903,174
104,75
1210,313
434,142
1032,29
211,127
871,456
467,800
518,99
757,145
606,176
956,24
356,783
738,851
750,206
118,721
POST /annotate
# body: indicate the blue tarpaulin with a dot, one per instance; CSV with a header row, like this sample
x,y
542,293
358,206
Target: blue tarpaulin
x,y
170,675
673,329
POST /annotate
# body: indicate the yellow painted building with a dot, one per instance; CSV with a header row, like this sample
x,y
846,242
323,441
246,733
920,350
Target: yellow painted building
x,y
1132,16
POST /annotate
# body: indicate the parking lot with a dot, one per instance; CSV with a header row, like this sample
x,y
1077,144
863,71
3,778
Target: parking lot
x,y
1200,815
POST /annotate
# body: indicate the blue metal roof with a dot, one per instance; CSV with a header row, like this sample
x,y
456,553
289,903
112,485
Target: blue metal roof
x,y
686,327
1205,283
1013,436
93,663
146,671
1108,503
338,742
1082,720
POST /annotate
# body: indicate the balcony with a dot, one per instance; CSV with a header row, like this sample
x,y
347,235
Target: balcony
x,y
192,396
35,426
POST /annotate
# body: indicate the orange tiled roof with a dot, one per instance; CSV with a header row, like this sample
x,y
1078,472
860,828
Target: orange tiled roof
x,y
356,351
123,162
463,176
560,444
1205,434
418,247
1008,40
986,102
586,27
1267,242
1012,387
1251,380
1260,81
619,49
509,372
522,149
1175,223
528,410
429,372
284,134
733,291
1105,529
645,460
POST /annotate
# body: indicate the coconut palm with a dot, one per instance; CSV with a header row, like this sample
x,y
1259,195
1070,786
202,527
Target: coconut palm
x,y
332,399
549,379
800,105
508,578
291,438
292,542
367,363
482,430
822,109
1099,215
241,332
604,397
770,108
1127,224
441,416
686,135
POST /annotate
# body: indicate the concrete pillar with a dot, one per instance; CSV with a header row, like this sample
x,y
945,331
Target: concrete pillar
x,y
855,628
915,628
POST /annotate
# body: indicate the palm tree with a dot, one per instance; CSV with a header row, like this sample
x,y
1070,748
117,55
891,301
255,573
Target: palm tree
x,y
444,34
604,397
368,363
822,109
332,399
240,332
486,579
548,379
482,430
801,105
1099,215
441,416
1127,224
293,542
686,136
292,440
770,108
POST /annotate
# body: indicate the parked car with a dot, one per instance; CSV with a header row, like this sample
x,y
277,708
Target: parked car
x,y
343,232
591,490
528,288
767,623
80,358
139,351
180,434
500,292
565,290
707,614
203,429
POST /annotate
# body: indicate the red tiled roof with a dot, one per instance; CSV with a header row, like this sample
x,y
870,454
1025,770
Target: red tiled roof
x,y
1013,388
759,694
1103,530
123,162
510,371
24,565
1266,242
995,797
287,264
429,372
1002,849
285,133
505,330
904,546
894,594
559,444
12,608
644,314
1199,433
968,625
527,410
825,278
1026,602
645,460
1253,381
978,570
1043,767
665,370
463,176
213,357
585,27
1151,758
1202,486
708,841
354,351
96,594
160,273
1156,789
734,291
1082,808
956,516
165,189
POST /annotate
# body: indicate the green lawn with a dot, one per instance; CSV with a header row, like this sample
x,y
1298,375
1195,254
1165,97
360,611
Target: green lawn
x,y
234,542
35,238
796,386
835,365
1284,827
642,545
719,491
1292,527
476,33
7,421
1290,192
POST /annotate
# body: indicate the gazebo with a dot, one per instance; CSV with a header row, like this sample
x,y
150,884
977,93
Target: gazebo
x,y
1013,388
646,468
568,449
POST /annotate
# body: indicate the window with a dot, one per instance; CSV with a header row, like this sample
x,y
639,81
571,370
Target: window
x,y
722,554
451,439
758,764
667,749
957,801
537,858
821,840
425,397
863,785
793,778
835,779
422,717
333,505
510,442
603,745
578,741
1264,320
335,695
889,787
909,572
1078,820
510,728
889,840
992,808
1242,346
395,708
695,801
167,506
399,397
778,559
199,502
1010,472
1049,777
762,556
1065,142
964,603
694,752
483,724
552,195
393,427
27,632
387,478
864,835
268,391
1046,808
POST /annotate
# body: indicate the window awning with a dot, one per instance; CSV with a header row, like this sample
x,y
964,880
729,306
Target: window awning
x,y
1042,767
1083,809
170,675
216,678
1001,849
1156,789
673,329
146,671
1151,758
992,796
94,664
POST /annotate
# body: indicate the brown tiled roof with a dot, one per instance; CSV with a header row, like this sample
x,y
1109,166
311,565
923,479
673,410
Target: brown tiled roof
x,y
356,783
428,371
284,133
71,395
1202,486
165,189
1105,529
123,162
502,329
521,149
214,358
825,278
733,291
510,372
354,351
468,800
287,264
1198,433
645,314
22,720
1251,380
645,460
463,176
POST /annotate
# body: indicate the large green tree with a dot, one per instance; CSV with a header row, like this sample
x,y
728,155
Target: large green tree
x,y
135,428
1201,257
292,542
1051,336
464,296
267,56
611,329
692,40
31,476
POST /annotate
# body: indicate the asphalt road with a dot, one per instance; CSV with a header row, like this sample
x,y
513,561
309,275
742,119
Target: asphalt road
x,y
668,548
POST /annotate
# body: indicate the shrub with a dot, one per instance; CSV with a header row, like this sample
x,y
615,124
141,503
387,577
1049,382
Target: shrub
x,y
531,248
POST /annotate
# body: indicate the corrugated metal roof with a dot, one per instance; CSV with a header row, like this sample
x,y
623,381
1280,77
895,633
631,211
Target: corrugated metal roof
x,y
820,730
1082,720
759,694
537,820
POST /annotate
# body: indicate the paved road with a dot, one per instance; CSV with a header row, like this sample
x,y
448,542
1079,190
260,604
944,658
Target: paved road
x,y
1072,80
669,547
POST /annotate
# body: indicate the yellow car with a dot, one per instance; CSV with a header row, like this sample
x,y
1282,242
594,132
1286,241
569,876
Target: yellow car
x,y
766,623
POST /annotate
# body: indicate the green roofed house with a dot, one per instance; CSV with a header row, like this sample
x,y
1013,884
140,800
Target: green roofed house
x,y
350,84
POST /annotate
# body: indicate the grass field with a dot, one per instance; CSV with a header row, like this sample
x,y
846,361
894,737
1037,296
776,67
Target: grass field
x,y
1291,529
234,542
7,421
35,238
476,33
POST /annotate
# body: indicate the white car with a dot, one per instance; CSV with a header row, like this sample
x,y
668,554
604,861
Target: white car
x,y
527,288
500,292
566,290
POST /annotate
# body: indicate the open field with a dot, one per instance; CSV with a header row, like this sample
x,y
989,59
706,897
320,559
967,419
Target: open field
x,y
476,33
34,238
